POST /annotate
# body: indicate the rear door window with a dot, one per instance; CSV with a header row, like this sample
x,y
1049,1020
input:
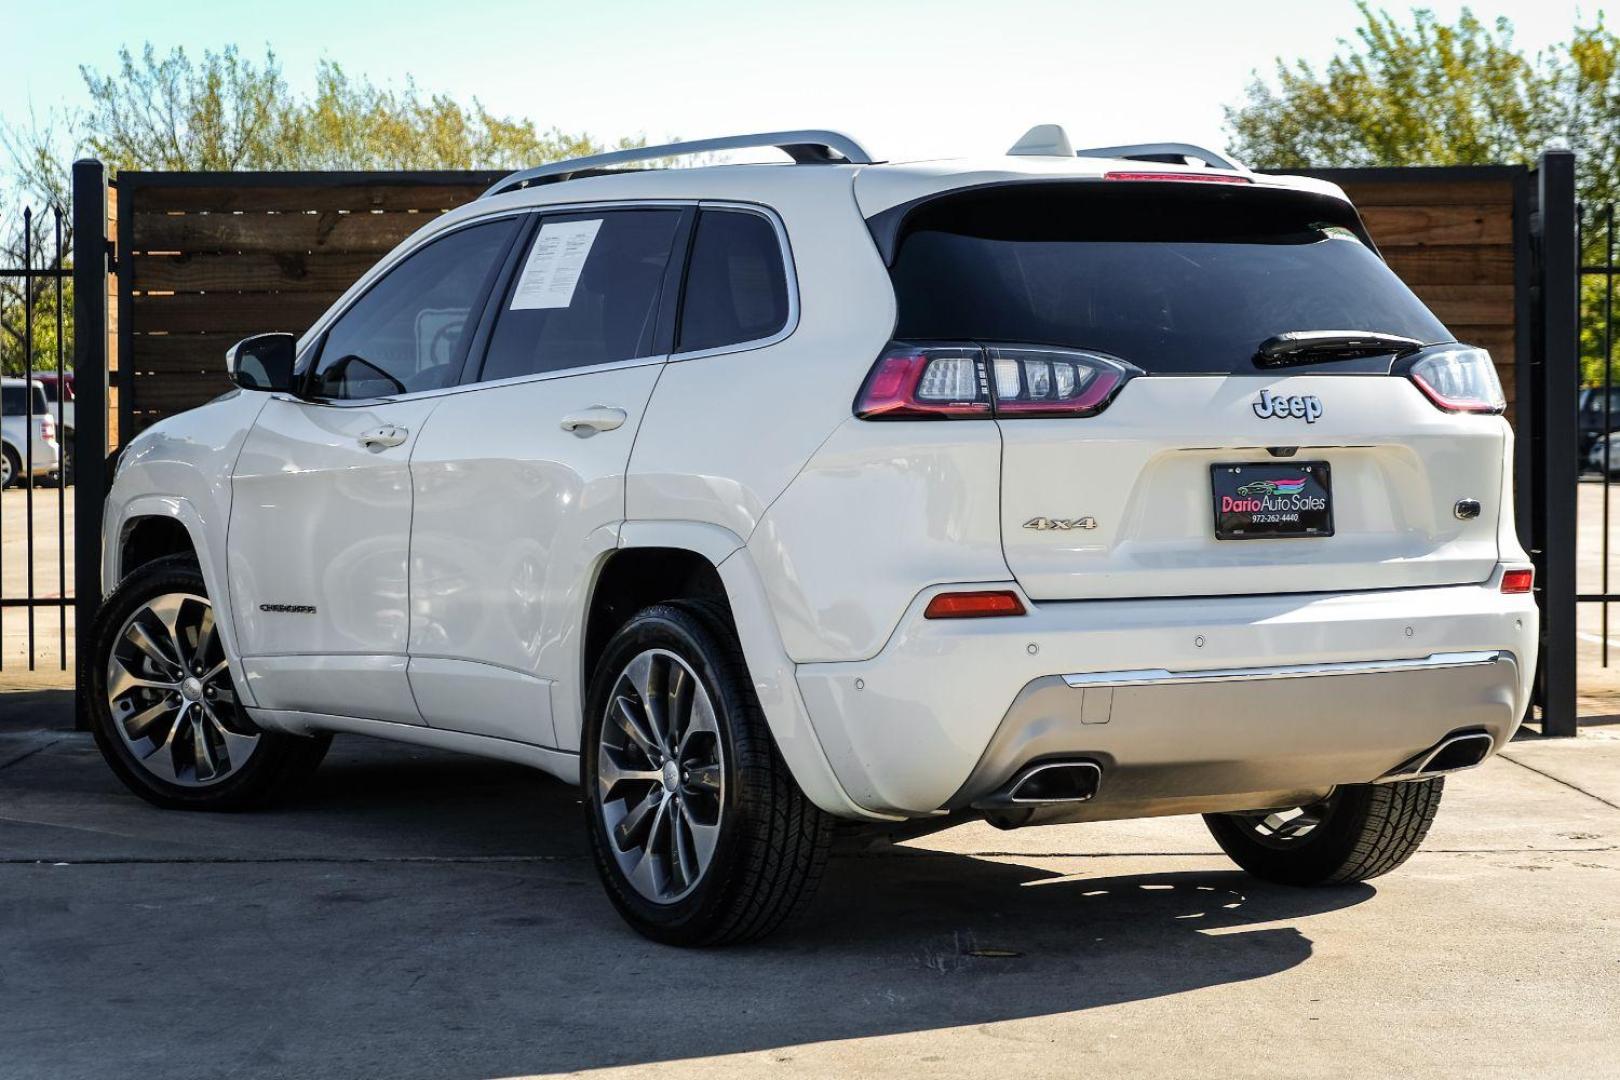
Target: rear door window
x,y
736,282
1184,281
586,292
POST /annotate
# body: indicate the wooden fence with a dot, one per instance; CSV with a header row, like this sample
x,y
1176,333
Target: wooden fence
x,y
209,258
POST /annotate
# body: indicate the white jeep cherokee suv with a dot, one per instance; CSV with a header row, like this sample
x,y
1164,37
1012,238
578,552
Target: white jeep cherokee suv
x,y
1046,488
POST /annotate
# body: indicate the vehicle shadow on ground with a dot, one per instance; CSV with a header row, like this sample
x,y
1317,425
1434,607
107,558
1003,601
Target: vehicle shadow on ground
x,y
493,964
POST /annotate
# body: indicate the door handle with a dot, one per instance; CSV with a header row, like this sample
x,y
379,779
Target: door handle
x,y
588,422
382,438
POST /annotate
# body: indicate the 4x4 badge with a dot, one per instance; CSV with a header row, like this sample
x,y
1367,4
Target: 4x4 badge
x,y
1046,524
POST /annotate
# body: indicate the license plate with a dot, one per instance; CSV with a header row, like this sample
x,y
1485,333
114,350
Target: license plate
x,y
1262,501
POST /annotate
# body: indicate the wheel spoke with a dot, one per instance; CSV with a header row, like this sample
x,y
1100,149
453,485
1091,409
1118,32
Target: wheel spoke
x,y
167,609
202,754
142,639
627,830
138,725
704,836
610,772
214,672
625,715
121,680
680,704
205,641
236,745
161,759
681,837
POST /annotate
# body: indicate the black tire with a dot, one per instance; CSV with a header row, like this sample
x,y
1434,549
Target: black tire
x,y
773,841
276,763
14,465
1363,830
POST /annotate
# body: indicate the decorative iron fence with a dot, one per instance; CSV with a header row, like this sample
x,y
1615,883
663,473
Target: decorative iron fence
x,y
35,399
1598,416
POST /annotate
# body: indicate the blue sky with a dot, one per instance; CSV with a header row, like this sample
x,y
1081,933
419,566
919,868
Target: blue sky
x,y
909,78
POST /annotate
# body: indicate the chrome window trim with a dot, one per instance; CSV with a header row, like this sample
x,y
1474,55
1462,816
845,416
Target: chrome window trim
x,y
790,272
1163,677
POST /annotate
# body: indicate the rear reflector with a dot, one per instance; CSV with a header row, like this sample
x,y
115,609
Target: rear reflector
x,y
1518,581
974,605
1180,177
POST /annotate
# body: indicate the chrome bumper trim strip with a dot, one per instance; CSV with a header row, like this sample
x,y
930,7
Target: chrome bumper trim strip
x,y
1162,677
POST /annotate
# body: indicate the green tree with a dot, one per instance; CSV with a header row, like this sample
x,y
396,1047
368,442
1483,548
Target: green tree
x,y
1425,92
224,111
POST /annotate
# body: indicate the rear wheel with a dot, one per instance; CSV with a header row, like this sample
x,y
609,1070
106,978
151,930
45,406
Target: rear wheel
x,y
1358,832
700,833
164,708
10,467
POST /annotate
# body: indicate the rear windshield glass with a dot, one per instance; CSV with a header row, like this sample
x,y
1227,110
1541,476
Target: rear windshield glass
x,y
1184,281
14,401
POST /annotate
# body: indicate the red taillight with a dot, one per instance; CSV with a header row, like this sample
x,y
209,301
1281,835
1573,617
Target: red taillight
x,y
1518,581
47,427
912,381
909,381
974,605
1458,378
1180,177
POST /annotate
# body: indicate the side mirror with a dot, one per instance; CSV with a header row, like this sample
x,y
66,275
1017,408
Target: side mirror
x,y
262,362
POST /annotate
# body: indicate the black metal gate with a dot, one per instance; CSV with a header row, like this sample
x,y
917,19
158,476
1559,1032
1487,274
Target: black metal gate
x,y
1598,415
34,396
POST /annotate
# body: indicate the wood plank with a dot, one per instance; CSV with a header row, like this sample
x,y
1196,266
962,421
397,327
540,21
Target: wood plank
x,y
1469,305
227,313
168,394
352,233
180,353
321,272
338,195
1395,226
1461,264
1430,192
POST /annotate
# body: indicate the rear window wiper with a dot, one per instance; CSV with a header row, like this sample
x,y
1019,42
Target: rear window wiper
x,y
1323,346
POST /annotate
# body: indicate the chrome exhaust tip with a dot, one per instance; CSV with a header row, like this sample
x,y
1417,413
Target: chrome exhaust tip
x,y
1457,751
1048,782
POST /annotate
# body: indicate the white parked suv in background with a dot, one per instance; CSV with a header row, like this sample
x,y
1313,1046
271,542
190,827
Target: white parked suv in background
x,y
1047,488
22,424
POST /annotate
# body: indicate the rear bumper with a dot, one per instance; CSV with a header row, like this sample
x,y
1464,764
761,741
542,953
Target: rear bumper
x,y
1188,705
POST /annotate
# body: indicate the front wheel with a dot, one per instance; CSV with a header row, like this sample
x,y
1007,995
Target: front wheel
x,y
163,705
1358,832
700,833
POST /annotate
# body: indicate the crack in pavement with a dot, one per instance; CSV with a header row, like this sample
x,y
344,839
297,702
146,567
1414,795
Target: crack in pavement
x,y
1559,780
26,754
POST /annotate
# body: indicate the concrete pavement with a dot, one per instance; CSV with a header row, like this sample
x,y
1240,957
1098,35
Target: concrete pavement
x,y
417,914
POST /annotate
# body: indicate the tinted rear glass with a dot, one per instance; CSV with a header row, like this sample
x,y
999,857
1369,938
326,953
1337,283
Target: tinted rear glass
x,y
1183,281
14,403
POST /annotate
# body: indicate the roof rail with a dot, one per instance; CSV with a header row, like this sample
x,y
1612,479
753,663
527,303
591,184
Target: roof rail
x,y
808,147
1163,152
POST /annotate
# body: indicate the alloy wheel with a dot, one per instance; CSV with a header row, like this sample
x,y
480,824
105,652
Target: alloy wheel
x,y
170,693
1286,829
661,776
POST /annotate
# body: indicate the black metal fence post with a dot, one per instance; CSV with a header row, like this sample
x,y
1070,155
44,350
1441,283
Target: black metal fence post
x,y
90,252
1555,409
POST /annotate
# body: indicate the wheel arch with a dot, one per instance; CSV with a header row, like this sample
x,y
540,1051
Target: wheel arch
x,y
151,527
716,561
